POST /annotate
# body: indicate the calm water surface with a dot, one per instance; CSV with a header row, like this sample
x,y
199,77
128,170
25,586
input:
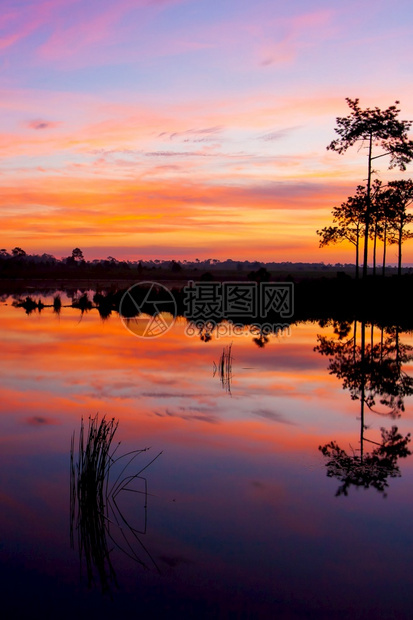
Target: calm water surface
x,y
242,520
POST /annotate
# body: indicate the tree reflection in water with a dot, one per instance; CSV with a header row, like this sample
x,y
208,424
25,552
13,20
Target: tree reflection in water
x,y
374,375
367,469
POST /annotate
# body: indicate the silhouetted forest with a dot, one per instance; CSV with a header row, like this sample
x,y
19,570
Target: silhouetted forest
x,y
17,264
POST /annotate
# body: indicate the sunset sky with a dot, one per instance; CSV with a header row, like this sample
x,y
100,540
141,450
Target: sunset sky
x,y
190,128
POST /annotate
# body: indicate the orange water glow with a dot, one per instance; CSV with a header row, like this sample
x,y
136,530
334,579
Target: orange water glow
x,y
59,368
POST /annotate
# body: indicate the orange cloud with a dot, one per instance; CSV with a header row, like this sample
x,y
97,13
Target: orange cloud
x,y
149,215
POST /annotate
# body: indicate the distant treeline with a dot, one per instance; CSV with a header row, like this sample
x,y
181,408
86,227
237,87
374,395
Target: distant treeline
x,y
19,264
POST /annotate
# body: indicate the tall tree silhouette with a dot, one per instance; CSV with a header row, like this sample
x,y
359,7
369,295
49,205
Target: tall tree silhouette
x,y
384,215
400,196
376,128
77,255
377,215
349,223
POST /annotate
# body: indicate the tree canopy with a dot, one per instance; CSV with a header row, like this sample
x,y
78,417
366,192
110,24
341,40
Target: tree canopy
x,y
378,128
382,127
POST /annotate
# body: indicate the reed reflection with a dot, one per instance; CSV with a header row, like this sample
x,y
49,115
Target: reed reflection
x,y
373,373
97,480
224,368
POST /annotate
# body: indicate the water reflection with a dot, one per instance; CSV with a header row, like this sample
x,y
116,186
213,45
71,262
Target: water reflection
x,y
95,507
367,469
29,305
83,303
370,370
104,304
373,373
57,304
149,310
240,521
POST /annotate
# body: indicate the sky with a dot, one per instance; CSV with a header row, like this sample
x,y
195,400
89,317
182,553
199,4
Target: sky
x,y
183,129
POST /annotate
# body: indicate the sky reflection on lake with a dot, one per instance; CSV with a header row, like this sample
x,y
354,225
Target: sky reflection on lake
x,y
242,517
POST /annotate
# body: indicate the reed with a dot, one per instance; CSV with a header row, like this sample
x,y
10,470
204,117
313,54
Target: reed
x,y
224,368
94,512
83,303
57,303
29,304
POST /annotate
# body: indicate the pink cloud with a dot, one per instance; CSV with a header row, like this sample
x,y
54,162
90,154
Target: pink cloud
x,y
102,27
293,36
42,124
21,24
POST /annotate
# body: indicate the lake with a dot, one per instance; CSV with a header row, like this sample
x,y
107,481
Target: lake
x,y
233,511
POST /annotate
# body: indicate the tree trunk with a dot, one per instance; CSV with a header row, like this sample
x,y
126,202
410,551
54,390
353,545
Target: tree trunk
x,y
357,254
384,248
354,341
375,248
381,345
397,348
368,206
399,270
371,344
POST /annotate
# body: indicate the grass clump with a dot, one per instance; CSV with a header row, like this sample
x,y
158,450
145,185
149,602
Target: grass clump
x,y
94,512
